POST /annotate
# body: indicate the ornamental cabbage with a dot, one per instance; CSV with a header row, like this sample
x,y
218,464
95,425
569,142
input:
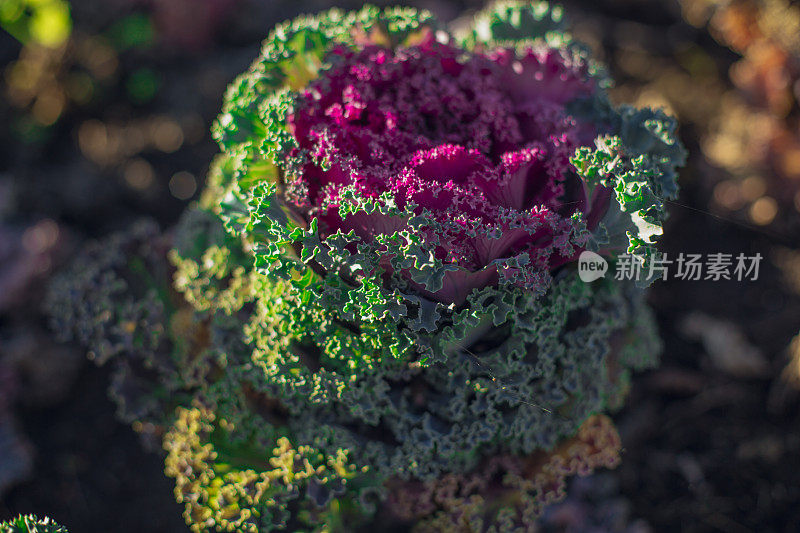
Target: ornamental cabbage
x,y
375,316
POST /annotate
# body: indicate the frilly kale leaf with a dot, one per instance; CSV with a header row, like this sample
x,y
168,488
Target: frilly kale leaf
x,y
639,164
514,23
31,524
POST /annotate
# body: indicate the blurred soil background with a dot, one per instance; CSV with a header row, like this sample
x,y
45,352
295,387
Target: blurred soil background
x,y
105,117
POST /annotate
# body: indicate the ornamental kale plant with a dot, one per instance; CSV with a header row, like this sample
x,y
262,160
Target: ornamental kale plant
x,y
373,317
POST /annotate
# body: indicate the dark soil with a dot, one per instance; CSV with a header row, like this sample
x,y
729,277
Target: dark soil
x,y
91,471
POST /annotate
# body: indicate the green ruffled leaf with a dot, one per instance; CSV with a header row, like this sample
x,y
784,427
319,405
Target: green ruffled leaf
x,y
640,166
512,23
31,524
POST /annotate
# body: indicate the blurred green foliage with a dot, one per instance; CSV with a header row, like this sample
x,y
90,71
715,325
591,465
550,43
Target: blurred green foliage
x,y
133,31
46,22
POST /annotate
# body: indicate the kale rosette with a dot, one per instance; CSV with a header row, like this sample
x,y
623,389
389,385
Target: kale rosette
x,y
376,315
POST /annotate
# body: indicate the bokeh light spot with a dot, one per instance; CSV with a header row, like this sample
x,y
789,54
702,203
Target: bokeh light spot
x,y
139,174
763,210
183,185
